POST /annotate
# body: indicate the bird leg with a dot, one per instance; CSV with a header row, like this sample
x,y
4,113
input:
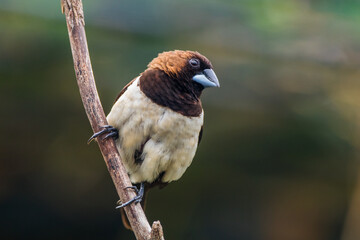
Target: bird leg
x,y
112,132
138,198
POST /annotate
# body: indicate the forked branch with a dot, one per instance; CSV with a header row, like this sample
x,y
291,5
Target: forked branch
x,y
74,14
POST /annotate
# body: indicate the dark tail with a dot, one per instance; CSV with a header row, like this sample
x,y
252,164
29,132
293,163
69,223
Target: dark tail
x,y
147,186
124,218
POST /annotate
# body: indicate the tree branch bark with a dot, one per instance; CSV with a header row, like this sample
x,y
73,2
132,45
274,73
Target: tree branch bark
x,y
73,11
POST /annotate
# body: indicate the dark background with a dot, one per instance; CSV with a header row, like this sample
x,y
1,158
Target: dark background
x,y
279,155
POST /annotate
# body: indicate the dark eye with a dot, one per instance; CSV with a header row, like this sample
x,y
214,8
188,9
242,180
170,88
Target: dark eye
x,y
194,62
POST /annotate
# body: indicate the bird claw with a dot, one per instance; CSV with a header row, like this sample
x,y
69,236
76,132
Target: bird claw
x,y
112,132
133,188
136,199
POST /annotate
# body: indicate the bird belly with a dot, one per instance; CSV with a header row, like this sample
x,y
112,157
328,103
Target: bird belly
x,y
168,140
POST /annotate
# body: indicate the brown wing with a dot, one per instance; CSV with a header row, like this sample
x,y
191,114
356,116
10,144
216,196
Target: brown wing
x,y
124,89
200,134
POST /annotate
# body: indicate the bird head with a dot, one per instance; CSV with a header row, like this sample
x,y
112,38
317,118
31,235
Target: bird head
x,y
176,80
187,66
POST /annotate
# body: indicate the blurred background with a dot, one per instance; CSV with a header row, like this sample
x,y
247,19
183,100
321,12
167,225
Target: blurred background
x,y
279,155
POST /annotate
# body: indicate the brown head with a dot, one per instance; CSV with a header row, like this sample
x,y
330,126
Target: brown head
x,y
176,62
176,79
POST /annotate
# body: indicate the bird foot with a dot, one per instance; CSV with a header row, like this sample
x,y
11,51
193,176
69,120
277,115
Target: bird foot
x,y
137,199
112,132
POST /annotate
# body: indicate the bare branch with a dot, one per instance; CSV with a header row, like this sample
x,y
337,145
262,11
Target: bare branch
x,y
156,231
74,14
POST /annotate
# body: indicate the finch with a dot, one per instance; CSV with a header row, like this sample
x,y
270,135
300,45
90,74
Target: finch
x,y
157,120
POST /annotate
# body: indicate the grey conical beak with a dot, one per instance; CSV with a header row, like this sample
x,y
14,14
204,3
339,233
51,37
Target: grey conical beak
x,y
207,78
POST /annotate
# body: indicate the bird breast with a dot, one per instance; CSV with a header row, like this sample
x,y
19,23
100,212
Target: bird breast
x,y
166,140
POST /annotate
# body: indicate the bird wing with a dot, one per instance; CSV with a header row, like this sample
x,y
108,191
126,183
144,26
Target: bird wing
x,y
200,134
124,89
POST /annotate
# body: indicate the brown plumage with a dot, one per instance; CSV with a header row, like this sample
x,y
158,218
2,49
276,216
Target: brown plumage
x,y
167,82
175,63
159,118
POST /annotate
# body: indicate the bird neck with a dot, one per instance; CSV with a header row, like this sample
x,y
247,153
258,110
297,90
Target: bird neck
x,y
176,94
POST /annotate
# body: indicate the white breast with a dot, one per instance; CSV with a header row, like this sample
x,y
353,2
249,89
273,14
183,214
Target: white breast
x,y
173,137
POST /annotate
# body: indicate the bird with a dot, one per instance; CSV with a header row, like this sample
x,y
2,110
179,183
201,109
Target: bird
x,y
157,120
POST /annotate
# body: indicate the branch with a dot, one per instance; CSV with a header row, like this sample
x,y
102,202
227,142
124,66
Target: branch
x,y
74,14
156,231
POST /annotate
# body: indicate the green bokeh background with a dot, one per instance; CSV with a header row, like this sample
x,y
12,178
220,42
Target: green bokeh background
x,y
279,155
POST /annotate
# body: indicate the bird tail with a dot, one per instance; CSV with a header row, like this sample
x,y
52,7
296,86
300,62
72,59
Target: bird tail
x,y
125,219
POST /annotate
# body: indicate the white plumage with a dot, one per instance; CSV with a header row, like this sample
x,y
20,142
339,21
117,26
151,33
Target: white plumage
x,y
171,138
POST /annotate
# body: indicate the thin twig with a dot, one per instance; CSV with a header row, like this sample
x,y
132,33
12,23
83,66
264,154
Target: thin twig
x,y
156,231
73,11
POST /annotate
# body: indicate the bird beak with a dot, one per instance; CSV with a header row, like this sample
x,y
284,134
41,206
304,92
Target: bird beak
x,y
207,78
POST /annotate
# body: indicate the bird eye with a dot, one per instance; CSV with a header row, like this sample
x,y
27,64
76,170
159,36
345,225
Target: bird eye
x,y
194,62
